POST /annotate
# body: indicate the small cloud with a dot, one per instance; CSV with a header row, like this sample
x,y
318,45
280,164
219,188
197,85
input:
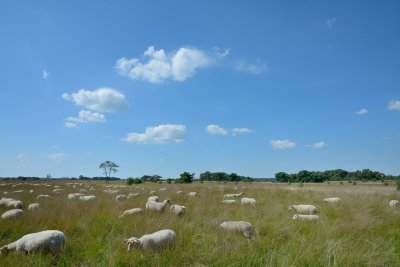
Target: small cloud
x,y
160,134
221,52
216,129
318,145
86,116
362,111
236,131
257,67
331,22
282,144
69,124
23,158
394,105
57,158
45,74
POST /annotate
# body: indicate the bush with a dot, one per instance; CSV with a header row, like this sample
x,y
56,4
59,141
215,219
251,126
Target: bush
x,y
385,183
131,181
398,185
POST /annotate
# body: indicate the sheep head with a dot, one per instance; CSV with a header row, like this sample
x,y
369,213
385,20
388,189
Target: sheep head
x,y
133,241
4,251
296,217
291,207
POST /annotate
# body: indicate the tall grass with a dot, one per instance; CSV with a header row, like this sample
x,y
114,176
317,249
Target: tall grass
x,y
360,230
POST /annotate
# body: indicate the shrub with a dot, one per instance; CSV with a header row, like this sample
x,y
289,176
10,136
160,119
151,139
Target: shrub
x,y
398,185
385,183
131,181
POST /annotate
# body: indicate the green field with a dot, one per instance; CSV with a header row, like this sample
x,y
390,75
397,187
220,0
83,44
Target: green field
x,y
360,230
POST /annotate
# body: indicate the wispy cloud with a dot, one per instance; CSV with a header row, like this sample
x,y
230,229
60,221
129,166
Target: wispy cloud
x,y
57,158
331,22
69,124
257,67
362,111
221,52
216,129
23,158
160,134
282,144
394,105
237,131
85,116
45,74
318,145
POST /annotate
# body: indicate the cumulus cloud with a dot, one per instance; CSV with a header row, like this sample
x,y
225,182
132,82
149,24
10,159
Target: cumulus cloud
x,y
394,105
160,134
57,158
257,67
318,145
45,74
362,111
86,116
216,129
69,124
331,22
101,100
22,158
236,131
282,144
161,66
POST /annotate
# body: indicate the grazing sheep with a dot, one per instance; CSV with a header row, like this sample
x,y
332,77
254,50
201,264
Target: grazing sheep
x,y
133,194
229,201
157,206
74,195
233,195
87,198
11,203
394,203
179,192
304,208
332,199
153,198
131,212
178,209
51,241
155,241
191,194
19,191
12,214
305,217
43,196
152,192
248,201
121,198
34,206
245,228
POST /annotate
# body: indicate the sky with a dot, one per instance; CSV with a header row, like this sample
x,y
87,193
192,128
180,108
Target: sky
x,y
164,87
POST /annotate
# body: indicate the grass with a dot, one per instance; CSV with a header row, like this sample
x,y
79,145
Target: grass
x,y
360,230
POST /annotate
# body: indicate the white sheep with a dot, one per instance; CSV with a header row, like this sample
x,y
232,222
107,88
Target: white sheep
x,y
87,198
133,194
51,241
131,212
243,227
248,201
191,194
229,201
332,199
34,206
306,217
233,195
121,198
304,208
11,203
394,203
153,198
12,214
43,196
74,195
157,206
179,192
177,209
155,241
152,192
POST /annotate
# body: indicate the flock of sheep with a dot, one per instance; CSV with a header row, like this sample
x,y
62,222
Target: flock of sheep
x,y
53,241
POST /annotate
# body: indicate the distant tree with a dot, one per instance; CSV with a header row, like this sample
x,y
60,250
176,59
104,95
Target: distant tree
x,y
282,177
108,167
186,178
48,176
151,178
131,181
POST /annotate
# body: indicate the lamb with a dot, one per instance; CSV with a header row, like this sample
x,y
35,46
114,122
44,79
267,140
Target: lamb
x,y
248,201
229,201
243,227
177,209
157,206
34,206
121,198
332,199
11,203
131,212
305,217
51,241
153,198
394,203
12,214
233,195
74,195
87,198
155,241
304,208
43,196
191,194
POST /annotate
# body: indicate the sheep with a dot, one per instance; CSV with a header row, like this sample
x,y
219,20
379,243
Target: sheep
x,y
233,195
43,196
51,241
304,208
394,203
152,192
34,206
131,212
191,194
305,217
332,199
177,209
243,227
229,201
179,192
153,198
11,203
248,201
87,198
133,194
157,206
12,214
155,241
74,195
121,198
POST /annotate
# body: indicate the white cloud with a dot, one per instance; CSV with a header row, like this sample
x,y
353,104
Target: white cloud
x,y
362,111
22,158
221,52
45,74
216,129
57,158
254,68
236,131
69,124
331,22
318,145
161,66
86,116
282,144
158,135
102,99
394,105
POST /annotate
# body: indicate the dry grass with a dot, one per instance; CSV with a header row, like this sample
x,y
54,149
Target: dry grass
x,y
360,230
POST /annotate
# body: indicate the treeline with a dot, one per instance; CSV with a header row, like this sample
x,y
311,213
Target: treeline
x,y
223,176
305,176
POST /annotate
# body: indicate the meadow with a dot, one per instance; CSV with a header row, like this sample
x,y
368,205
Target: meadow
x,y
360,230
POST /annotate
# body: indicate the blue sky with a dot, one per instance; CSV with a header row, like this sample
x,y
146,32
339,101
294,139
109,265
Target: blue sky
x,y
163,87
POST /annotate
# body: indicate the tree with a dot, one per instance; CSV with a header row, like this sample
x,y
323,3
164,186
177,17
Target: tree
x,y
282,177
108,167
186,177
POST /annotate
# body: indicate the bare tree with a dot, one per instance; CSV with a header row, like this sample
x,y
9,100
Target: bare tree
x,y
108,167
